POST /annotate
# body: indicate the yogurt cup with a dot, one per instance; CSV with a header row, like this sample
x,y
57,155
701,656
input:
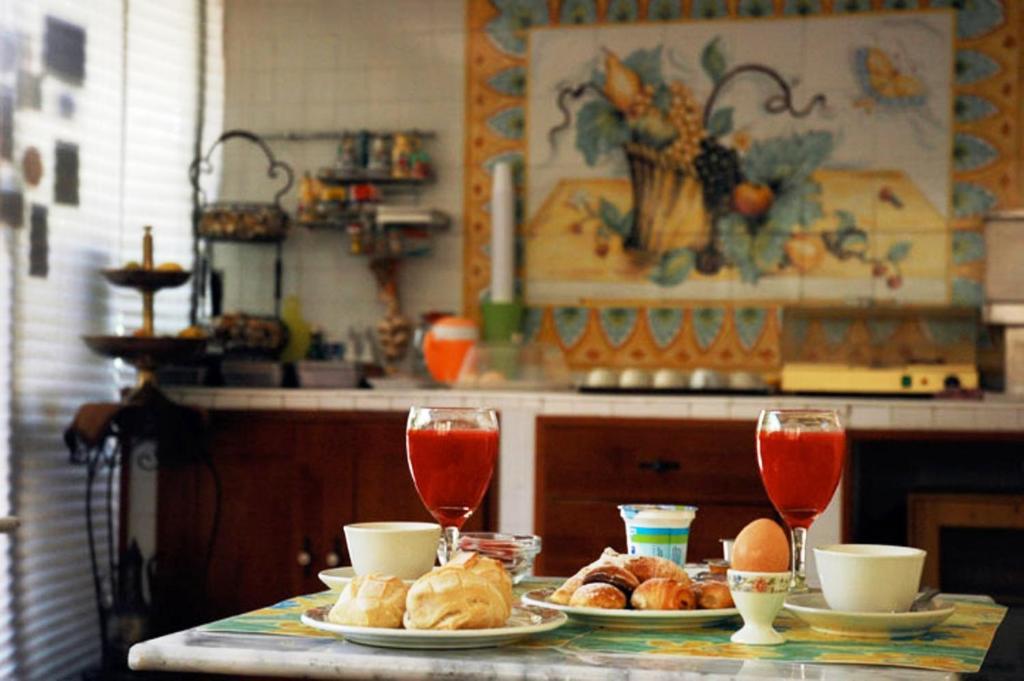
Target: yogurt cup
x,y
660,530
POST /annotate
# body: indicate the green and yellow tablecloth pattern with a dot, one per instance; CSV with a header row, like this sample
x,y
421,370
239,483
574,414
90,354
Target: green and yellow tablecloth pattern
x,y
957,645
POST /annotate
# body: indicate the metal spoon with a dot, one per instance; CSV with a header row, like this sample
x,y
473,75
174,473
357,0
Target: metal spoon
x,y
924,599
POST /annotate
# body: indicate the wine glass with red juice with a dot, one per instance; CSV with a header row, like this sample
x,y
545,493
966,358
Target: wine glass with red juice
x,y
800,453
451,454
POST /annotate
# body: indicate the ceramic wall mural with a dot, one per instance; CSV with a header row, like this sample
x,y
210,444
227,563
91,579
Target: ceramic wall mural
x,y
688,167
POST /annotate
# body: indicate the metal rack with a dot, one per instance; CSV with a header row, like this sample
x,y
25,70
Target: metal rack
x,y
203,281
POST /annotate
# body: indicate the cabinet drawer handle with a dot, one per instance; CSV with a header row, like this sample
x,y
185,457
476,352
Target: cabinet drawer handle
x,y
305,557
333,559
659,466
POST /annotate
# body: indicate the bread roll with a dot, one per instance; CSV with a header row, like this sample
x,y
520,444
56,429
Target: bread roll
x,y
712,595
372,600
618,577
453,597
650,567
663,594
488,568
598,595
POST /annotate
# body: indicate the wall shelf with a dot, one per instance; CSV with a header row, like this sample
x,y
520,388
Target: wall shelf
x,y
326,176
336,135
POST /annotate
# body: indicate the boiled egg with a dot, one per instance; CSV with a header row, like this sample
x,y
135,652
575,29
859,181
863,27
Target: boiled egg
x,y
761,546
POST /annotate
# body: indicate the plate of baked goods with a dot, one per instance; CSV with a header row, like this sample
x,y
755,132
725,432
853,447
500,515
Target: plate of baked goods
x,y
466,603
637,592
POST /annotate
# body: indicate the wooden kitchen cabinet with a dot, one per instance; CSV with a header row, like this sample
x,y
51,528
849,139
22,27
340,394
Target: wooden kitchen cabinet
x,y
585,467
289,482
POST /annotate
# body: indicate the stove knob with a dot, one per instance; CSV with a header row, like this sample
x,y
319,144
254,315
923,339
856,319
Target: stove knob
x,y
952,382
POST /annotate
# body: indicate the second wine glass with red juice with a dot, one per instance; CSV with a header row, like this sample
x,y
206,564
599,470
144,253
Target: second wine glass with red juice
x,y
800,454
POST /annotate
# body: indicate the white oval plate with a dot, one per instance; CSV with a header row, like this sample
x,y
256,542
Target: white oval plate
x,y
336,578
523,623
632,619
812,608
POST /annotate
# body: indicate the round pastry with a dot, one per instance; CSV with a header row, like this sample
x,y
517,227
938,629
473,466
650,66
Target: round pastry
x,y
618,577
453,597
372,600
487,568
649,567
659,593
598,595
712,595
563,593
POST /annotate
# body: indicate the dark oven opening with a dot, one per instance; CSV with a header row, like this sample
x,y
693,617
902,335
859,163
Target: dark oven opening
x,y
960,498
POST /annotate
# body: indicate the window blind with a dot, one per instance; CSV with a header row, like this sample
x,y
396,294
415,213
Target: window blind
x,y
6,605
134,126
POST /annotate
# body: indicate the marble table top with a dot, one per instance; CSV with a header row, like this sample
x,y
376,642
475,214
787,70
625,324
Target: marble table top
x,y
194,650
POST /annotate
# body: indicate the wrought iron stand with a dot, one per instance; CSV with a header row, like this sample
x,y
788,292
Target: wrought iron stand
x,y
107,439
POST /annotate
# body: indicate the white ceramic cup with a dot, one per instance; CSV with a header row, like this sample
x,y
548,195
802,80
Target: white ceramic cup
x,y
869,577
404,549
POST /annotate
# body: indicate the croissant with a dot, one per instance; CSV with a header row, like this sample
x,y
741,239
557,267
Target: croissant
x,y
598,595
663,594
712,595
650,567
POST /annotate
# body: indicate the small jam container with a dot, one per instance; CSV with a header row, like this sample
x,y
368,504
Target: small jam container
x,y
661,530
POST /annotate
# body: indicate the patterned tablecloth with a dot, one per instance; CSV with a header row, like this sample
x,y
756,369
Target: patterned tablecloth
x,y
957,645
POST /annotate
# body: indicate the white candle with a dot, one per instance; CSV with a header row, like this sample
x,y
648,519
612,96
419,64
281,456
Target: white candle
x,y
503,235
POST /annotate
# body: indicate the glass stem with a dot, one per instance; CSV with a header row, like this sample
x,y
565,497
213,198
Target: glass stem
x,y
451,544
798,542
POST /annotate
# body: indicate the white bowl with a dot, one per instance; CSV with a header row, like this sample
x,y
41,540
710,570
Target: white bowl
x,y
869,577
635,378
667,379
403,549
602,378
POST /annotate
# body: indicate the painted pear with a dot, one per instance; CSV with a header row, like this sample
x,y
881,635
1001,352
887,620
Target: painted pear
x,y
621,83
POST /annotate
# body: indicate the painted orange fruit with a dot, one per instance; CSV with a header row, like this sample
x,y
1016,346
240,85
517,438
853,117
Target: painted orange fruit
x,y
752,200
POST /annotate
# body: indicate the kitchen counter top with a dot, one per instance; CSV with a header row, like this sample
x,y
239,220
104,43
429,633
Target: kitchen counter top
x,y
520,411
995,413
318,658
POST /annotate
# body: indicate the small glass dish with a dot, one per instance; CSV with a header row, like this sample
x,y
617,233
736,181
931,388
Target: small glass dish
x,y
515,551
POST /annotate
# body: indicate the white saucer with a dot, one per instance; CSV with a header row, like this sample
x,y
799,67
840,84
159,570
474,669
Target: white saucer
x,y
337,578
812,608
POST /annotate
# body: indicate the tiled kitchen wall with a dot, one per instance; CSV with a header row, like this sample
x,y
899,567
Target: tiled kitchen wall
x,y
321,65
332,64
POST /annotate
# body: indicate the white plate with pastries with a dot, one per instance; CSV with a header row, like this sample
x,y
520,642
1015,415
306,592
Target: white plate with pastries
x,y
637,592
523,623
632,619
467,603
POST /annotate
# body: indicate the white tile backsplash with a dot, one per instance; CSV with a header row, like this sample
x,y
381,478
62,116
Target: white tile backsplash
x,y
329,65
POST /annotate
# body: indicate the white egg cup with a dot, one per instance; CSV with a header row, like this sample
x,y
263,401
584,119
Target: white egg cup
x,y
759,597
